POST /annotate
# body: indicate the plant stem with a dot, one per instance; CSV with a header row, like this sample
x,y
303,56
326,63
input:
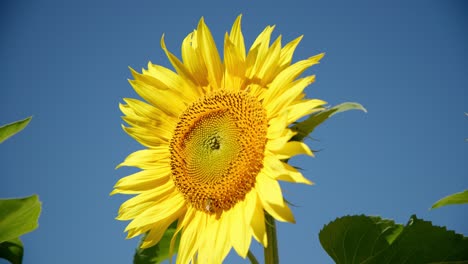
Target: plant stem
x,y
252,258
271,251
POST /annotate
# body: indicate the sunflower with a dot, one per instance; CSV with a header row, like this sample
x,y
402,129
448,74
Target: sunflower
x,y
217,134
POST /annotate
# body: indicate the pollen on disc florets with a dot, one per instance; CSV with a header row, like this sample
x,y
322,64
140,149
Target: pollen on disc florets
x,y
218,148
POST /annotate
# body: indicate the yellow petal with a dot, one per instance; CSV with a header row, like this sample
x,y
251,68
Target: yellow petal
x,y
250,62
240,235
189,239
134,207
256,91
183,220
177,64
234,63
158,131
155,234
258,224
161,191
165,79
277,126
279,212
260,44
237,38
250,203
266,70
288,51
263,41
210,54
162,99
293,148
139,121
288,95
127,110
146,110
207,252
131,233
147,125
288,75
278,143
146,138
150,80
218,244
158,229
304,108
150,126
173,204
132,212
223,239
142,180
279,170
193,59
268,189
147,158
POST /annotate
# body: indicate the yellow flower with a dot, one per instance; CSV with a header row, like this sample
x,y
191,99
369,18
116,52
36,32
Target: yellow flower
x,y
217,136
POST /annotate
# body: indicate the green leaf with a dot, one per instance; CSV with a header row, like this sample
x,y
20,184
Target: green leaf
x,y
12,251
421,242
456,198
306,127
353,239
9,130
371,240
159,252
18,216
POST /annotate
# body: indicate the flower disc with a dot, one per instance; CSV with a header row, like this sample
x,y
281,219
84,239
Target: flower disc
x,y
217,150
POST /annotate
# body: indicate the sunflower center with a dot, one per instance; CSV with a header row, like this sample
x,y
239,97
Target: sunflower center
x,y
217,150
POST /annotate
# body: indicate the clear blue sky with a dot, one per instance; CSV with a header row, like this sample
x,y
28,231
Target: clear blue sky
x,y
65,63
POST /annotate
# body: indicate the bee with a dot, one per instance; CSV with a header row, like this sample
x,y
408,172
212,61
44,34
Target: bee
x,y
208,205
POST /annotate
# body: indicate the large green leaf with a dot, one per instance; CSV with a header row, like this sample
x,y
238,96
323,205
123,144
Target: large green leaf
x,y
12,251
353,239
18,216
421,242
456,198
159,252
371,240
9,130
306,127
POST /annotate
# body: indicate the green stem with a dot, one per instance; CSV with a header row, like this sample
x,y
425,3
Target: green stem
x,y
271,251
252,258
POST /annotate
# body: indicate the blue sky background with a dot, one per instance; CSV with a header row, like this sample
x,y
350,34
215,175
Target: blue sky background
x,y
65,63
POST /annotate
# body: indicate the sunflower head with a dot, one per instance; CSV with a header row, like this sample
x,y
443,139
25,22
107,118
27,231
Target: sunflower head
x,y
217,134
